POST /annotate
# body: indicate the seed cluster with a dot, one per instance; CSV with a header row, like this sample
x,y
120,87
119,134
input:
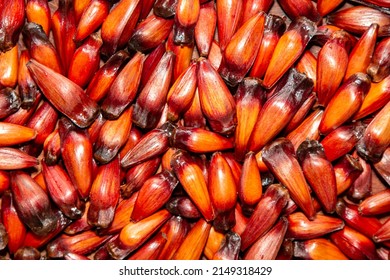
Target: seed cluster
x,y
194,129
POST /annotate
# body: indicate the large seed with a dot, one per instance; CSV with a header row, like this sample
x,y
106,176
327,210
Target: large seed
x,y
206,129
